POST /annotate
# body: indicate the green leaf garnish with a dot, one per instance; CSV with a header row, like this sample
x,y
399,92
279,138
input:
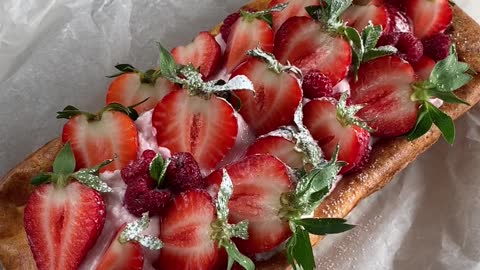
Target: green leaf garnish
x,y
265,15
324,226
364,45
63,171
41,179
329,14
64,163
447,76
158,168
124,68
299,250
274,64
133,230
223,231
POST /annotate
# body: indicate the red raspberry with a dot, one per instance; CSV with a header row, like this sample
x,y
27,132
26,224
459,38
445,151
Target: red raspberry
x,y
316,85
409,47
138,167
437,47
141,196
183,173
227,25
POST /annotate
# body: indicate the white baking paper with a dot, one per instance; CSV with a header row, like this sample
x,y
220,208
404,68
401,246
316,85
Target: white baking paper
x,y
55,53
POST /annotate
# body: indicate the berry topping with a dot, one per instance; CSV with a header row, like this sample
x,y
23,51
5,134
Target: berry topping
x,y
138,167
316,85
203,53
183,173
437,46
383,84
227,24
294,8
429,17
409,47
398,20
277,93
359,17
141,197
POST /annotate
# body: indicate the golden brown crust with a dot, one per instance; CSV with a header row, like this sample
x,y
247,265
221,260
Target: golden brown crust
x,y
388,157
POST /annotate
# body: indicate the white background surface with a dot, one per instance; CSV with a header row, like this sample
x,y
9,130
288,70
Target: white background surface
x,y
54,53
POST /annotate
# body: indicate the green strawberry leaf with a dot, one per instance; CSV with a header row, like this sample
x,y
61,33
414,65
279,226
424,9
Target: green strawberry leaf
x,y
423,125
234,255
124,68
324,226
64,163
167,65
41,178
450,74
448,97
158,168
299,250
265,15
443,122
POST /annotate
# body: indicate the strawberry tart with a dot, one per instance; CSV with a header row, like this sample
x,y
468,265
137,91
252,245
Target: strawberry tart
x,y
242,148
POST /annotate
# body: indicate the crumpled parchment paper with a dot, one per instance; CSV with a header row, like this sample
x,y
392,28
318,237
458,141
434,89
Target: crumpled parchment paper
x,y
55,53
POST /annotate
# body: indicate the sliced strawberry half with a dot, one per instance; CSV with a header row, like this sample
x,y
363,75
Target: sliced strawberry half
x,y
62,224
185,230
247,33
132,88
294,8
203,53
110,134
126,256
424,67
320,117
258,184
383,88
429,17
276,97
207,128
279,147
304,43
359,17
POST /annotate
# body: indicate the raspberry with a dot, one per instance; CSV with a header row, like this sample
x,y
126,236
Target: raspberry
x,y
138,201
316,85
437,47
138,167
227,25
183,173
409,47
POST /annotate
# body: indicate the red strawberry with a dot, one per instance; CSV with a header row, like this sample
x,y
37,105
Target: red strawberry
x,y
203,53
62,224
358,16
383,87
275,100
305,43
294,8
247,33
424,67
226,27
185,230
320,117
127,256
316,85
279,147
398,20
258,184
429,17
207,128
134,87
95,138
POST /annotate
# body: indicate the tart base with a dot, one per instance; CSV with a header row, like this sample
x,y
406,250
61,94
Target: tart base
x,y
388,157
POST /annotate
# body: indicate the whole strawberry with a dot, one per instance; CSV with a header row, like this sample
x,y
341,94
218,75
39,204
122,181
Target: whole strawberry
x,y
64,217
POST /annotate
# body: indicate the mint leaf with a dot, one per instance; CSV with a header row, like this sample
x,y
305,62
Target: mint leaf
x,y
324,226
423,125
158,168
64,163
40,179
443,122
299,249
234,255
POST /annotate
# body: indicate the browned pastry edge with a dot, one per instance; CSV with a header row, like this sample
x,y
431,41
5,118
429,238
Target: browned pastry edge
x,y
388,157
